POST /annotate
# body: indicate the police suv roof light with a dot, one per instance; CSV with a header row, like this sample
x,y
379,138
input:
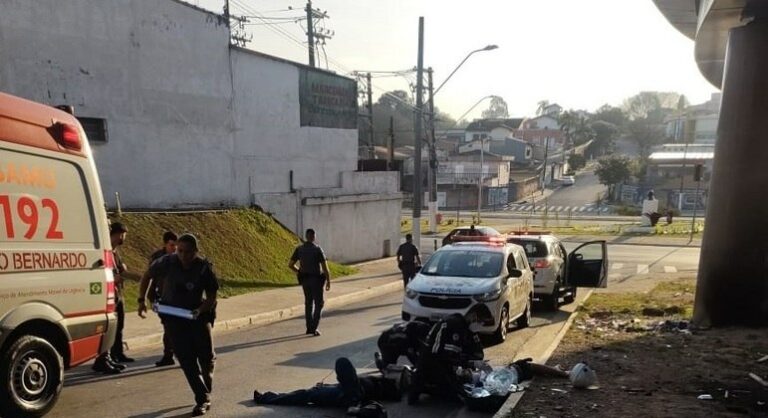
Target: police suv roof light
x,y
499,240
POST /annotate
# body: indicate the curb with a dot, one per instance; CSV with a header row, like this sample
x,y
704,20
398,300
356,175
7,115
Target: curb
x,y
513,399
270,317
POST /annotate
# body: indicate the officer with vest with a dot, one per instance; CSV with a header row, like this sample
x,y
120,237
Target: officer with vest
x,y
187,282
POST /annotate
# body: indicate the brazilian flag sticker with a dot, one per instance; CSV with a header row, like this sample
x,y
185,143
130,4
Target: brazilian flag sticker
x,y
95,288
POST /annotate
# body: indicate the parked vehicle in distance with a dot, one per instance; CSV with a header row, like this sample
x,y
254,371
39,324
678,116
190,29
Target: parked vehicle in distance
x,y
484,275
57,296
470,231
568,180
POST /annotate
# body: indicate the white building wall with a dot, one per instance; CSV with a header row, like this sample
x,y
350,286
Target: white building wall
x,y
156,70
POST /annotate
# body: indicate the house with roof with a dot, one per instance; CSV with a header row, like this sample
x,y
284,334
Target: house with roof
x,y
495,129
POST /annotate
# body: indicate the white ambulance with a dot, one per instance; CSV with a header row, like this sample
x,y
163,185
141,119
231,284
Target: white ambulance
x,y
56,284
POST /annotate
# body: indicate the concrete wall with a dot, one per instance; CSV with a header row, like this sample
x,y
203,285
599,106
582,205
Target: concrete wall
x,y
353,221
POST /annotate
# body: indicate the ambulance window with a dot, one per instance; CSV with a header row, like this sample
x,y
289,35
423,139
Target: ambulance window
x,y
43,203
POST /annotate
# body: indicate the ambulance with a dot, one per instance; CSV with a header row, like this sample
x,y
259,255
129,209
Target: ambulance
x,y
57,296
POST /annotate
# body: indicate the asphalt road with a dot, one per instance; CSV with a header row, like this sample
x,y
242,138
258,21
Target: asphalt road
x,y
280,357
584,192
277,357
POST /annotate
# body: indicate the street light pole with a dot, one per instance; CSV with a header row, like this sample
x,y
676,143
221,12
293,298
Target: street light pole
x,y
432,202
480,180
487,48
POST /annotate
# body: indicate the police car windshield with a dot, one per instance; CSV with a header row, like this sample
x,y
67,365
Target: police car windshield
x,y
468,263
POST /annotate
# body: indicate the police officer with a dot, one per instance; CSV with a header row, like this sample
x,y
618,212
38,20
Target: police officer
x,y
403,339
187,281
408,259
450,344
312,273
109,362
169,247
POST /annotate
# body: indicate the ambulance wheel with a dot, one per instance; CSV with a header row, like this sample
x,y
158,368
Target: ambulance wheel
x,y
32,373
501,332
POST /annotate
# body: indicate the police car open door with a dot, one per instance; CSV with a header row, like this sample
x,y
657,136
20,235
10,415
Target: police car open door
x,y
587,265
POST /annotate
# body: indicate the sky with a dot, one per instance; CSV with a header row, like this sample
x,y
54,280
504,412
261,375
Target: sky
x,y
580,54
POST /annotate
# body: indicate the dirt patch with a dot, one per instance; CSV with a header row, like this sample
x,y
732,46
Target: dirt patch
x,y
650,364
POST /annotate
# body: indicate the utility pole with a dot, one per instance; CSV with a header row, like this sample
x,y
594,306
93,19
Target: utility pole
x,y
417,197
310,34
544,171
432,177
371,154
391,159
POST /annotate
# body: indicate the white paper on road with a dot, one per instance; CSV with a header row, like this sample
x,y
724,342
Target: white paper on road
x,y
642,269
670,269
173,311
616,266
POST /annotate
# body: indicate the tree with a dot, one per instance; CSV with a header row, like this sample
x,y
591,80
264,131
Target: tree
x,y
397,104
612,171
567,121
606,134
611,114
647,111
541,107
496,110
576,161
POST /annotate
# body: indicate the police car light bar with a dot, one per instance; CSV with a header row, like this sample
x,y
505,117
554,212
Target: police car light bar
x,y
496,239
529,232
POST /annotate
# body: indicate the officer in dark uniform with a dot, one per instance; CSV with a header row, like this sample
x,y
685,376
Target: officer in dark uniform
x,y
408,259
450,344
109,362
169,247
403,339
188,282
312,273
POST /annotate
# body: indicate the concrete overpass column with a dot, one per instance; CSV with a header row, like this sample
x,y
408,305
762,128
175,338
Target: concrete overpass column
x,y
733,270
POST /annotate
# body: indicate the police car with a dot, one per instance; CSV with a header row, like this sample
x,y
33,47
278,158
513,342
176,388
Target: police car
x,y
484,275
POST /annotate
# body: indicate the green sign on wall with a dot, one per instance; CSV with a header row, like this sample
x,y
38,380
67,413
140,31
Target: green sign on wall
x,y
327,100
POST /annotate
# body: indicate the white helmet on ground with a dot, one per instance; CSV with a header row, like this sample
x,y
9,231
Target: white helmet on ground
x,y
582,376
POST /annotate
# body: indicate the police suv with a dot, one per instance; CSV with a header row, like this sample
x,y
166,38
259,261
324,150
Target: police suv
x,y
483,275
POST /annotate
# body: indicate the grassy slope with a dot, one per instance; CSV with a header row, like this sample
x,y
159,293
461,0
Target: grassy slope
x,y
249,250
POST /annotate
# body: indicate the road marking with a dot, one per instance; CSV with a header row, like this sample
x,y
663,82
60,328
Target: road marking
x,y
670,269
642,269
552,208
590,209
527,208
558,209
616,266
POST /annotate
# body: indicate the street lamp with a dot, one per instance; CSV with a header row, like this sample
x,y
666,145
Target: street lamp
x,y
490,96
487,48
432,204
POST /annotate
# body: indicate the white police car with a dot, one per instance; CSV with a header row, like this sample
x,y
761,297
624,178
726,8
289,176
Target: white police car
x,y
485,276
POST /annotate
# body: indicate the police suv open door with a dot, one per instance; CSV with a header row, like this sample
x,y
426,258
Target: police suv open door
x,y
587,265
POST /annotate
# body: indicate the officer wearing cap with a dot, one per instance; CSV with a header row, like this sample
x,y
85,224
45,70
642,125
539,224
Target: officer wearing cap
x,y
187,281
312,274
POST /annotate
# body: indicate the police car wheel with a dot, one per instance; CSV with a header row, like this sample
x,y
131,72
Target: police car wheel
x,y
501,332
525,319
552,302
32,373
571,296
